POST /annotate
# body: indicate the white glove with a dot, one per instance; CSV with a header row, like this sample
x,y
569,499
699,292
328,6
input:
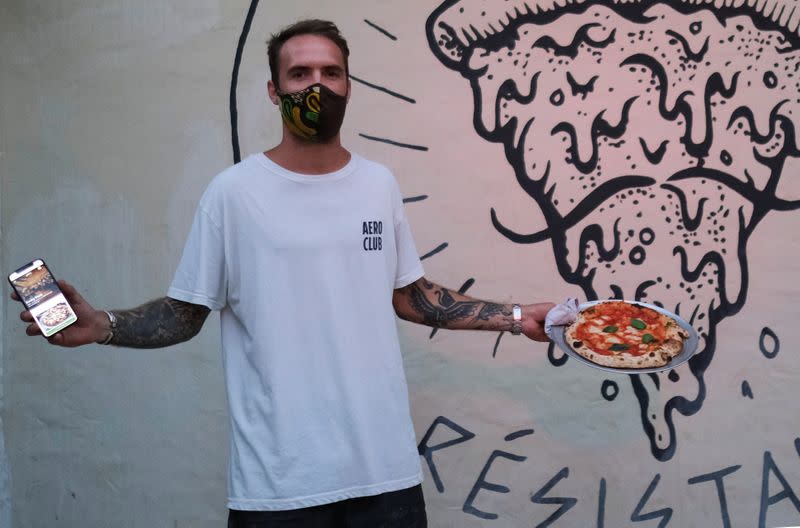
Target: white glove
x,y
561,314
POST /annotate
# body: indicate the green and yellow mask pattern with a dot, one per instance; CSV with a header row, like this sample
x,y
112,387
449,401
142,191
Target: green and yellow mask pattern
x,y
315,113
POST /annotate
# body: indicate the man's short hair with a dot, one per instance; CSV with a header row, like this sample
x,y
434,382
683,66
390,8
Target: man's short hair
x,y
323,28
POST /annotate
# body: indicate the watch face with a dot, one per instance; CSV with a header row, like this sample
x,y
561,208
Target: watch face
x,y
516,325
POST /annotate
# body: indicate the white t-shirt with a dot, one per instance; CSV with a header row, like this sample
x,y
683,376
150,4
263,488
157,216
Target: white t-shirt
x,y
303,269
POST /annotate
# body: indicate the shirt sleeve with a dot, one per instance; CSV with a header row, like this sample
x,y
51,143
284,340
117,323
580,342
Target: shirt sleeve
x,y
409,265
201,276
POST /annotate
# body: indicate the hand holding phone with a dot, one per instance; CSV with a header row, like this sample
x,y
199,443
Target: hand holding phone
x,y
74,322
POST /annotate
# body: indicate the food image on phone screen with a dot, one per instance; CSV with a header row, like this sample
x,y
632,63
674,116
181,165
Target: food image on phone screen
x,y
41,295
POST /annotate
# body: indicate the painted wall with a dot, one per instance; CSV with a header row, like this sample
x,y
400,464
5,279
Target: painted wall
x,y
595,151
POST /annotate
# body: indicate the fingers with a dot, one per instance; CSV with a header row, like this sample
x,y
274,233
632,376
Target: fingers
x,y
25,315
55,339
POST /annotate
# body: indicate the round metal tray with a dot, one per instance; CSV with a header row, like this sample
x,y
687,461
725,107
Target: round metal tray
x,y
689,346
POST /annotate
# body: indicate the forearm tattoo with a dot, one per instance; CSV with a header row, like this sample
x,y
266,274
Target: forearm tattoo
x,y
435,306
159,323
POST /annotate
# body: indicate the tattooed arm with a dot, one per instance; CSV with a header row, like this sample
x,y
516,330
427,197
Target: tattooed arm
x,y
159,323
433,305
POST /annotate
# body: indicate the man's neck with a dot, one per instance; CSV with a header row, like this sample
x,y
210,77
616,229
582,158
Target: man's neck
x,y
309,158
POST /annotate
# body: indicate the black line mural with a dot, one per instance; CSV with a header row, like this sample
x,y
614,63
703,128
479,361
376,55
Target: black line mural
x,y
380,29
383,89
237,61
652,136
546,494
393,142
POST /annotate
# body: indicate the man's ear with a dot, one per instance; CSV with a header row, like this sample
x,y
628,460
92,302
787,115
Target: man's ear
x,y
349,89
272,92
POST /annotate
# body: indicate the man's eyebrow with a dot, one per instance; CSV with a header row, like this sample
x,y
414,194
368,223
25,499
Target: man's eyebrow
x,y
304,67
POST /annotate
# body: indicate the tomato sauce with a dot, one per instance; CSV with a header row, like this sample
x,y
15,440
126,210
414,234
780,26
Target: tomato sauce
x,y
624,328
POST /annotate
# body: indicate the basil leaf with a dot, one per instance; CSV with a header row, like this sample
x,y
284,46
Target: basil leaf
x,y
617,347
638,324
647,338
610,329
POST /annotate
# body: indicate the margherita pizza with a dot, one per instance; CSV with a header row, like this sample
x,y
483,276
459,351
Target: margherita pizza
x,y
625,335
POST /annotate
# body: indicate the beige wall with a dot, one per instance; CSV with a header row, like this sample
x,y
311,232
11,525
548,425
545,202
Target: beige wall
x,y
114,116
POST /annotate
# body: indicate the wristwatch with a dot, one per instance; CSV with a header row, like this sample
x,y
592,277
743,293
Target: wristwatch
x,y
516,325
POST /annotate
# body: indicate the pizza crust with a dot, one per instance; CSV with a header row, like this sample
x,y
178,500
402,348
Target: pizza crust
x,y
655,359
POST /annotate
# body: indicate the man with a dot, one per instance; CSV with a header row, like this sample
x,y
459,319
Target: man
x,y
306,250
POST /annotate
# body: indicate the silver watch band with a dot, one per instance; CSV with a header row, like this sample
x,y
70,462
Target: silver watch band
x,y
516,325
113,320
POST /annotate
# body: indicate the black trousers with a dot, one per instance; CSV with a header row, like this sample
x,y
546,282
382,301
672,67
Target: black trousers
x,y
396,509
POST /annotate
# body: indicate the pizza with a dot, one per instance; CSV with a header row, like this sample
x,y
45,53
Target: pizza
x,y
55,315
622,334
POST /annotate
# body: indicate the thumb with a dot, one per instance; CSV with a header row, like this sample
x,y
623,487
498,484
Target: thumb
x,y
70,292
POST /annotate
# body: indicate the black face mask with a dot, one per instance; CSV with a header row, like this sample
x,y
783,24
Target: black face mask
x,y
314,113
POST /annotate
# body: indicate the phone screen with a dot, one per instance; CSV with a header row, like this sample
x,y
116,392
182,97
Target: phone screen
x,y
39,292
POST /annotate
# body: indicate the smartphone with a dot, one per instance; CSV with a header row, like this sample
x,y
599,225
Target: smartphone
x,y
39,292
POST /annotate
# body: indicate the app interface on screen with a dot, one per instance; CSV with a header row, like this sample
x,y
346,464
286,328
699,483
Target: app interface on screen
x,y
40,293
